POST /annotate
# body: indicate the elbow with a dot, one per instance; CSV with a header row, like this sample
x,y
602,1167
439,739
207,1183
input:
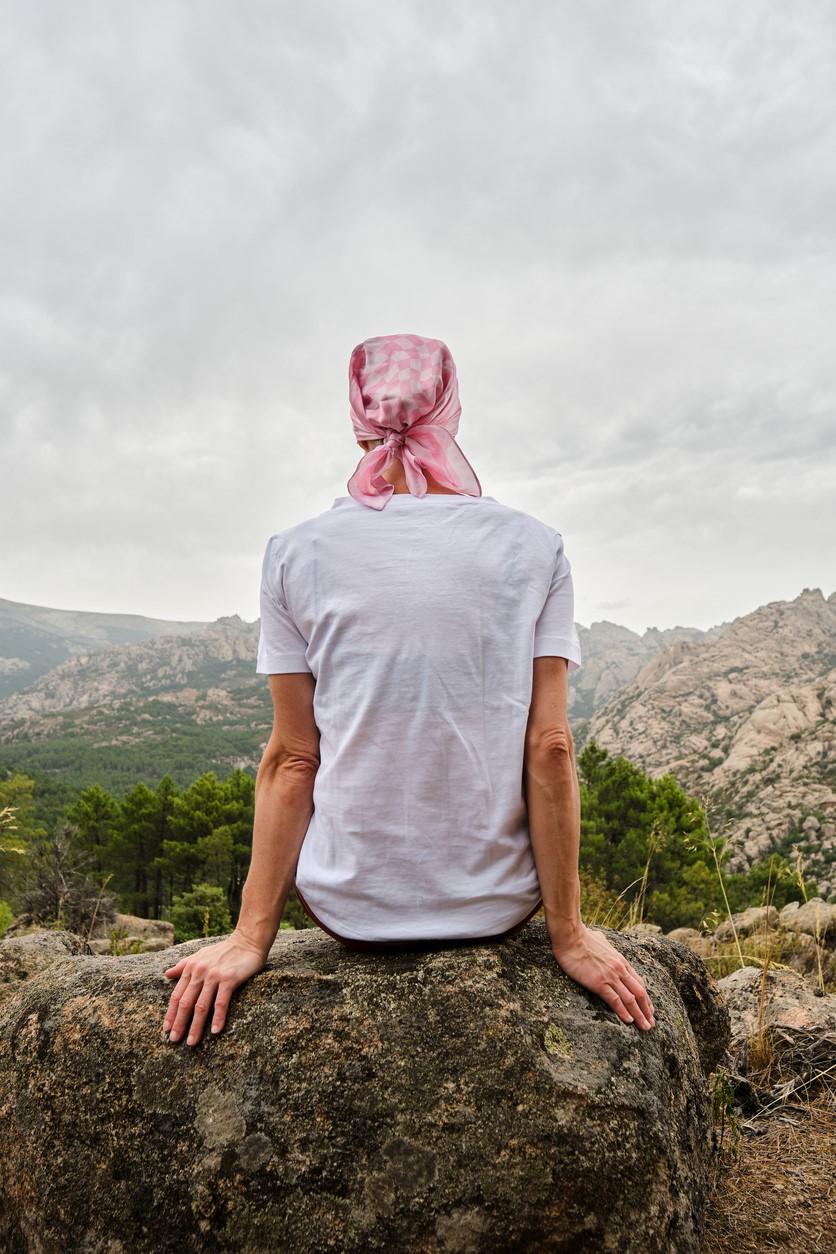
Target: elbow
x,y
297,767
553,745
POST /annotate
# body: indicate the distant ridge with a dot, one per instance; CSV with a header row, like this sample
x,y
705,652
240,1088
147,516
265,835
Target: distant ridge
x,y
36,638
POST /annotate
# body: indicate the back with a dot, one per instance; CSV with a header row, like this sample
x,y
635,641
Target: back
x,y
419,622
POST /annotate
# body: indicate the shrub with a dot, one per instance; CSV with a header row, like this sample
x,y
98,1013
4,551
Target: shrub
x,y
201,912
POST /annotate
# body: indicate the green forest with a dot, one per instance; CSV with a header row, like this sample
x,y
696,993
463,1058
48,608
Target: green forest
x,y
181,853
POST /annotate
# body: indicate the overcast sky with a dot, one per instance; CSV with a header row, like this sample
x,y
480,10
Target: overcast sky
x,y
620,217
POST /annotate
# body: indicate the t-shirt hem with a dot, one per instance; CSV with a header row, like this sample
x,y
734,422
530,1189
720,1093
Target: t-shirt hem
x,y
375,942
559,646
280,664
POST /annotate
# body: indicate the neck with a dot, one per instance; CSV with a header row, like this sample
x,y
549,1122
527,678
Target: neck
x,y
394,474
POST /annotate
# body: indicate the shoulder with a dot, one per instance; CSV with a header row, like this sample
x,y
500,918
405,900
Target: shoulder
x,y
540,535
291,539
288,551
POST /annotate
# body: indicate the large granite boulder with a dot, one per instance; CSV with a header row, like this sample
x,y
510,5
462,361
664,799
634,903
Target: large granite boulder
x,y
468,1098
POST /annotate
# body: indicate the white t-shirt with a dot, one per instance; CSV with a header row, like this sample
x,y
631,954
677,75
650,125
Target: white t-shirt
x,y
419,623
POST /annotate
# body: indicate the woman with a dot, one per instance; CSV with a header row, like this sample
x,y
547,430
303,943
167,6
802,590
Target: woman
x,y
419,786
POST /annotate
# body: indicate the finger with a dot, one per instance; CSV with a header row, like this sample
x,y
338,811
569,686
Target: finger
x,y
636,985
626,972
631,1002
174,1000
184,1010
222,1000
201,1009
170,972
613,999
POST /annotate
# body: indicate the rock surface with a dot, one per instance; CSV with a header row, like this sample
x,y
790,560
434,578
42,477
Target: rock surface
x,y
146,935
24,956
746,922
468,1098
789,1002
797,1028
131,930
815,917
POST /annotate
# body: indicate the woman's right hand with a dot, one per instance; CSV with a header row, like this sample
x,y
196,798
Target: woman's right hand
x,y
208,978
588,957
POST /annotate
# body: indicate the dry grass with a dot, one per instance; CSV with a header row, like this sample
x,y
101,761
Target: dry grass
x,y
776,1190
773,1184
776,948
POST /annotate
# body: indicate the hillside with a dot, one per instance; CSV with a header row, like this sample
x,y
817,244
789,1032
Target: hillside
x,y
36,638
181,704
746,719
614,655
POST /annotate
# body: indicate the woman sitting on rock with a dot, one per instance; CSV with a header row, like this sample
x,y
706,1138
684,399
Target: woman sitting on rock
x,y
419,786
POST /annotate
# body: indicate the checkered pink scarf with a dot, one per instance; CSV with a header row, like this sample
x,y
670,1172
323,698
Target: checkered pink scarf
x,y
404,389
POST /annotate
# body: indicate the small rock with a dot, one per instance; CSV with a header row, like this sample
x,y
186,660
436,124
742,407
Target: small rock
x,y
684,934
746,922
812,915
790,1002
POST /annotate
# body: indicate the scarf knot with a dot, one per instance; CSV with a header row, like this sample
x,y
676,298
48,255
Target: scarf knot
x,y
404,390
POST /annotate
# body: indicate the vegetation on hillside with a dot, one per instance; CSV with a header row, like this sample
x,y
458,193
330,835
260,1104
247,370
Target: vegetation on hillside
x,y
182,853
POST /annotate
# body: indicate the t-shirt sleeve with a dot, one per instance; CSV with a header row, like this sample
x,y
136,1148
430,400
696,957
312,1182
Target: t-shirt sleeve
x,y
281,645
555,634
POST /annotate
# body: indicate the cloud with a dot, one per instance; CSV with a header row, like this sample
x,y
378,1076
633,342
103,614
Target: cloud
x,y
620,218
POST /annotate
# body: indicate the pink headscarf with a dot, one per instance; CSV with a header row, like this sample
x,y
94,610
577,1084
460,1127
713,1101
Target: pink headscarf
x,y
404,389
